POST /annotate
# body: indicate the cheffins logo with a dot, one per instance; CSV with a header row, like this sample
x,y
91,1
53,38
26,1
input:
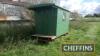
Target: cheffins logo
x,y
78,47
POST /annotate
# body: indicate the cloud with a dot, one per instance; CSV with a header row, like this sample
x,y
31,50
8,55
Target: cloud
x,y
97,10
82,6
74,5
89,8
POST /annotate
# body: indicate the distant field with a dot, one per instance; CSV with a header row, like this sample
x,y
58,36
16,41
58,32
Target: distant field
x,y
96,19
86,32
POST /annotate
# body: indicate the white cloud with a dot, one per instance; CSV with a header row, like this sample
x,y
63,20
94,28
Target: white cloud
x,y
71,4
78,5
74,5
89,8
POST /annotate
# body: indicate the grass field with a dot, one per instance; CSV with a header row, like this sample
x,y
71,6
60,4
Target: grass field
x,y
87,32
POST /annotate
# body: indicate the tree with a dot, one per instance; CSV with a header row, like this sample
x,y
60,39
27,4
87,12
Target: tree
x,y
75,15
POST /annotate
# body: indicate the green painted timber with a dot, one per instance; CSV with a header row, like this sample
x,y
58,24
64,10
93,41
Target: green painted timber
x,y
62,22
51,20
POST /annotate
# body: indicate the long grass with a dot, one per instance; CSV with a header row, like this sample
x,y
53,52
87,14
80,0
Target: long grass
x,y
86,32
15,30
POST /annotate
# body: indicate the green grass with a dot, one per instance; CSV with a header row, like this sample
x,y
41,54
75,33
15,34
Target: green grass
x,y
87,32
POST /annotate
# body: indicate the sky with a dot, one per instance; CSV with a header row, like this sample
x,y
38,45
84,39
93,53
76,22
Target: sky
x,y
82,6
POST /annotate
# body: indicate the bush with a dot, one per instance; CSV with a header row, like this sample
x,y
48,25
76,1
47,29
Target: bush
x,y
79,25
